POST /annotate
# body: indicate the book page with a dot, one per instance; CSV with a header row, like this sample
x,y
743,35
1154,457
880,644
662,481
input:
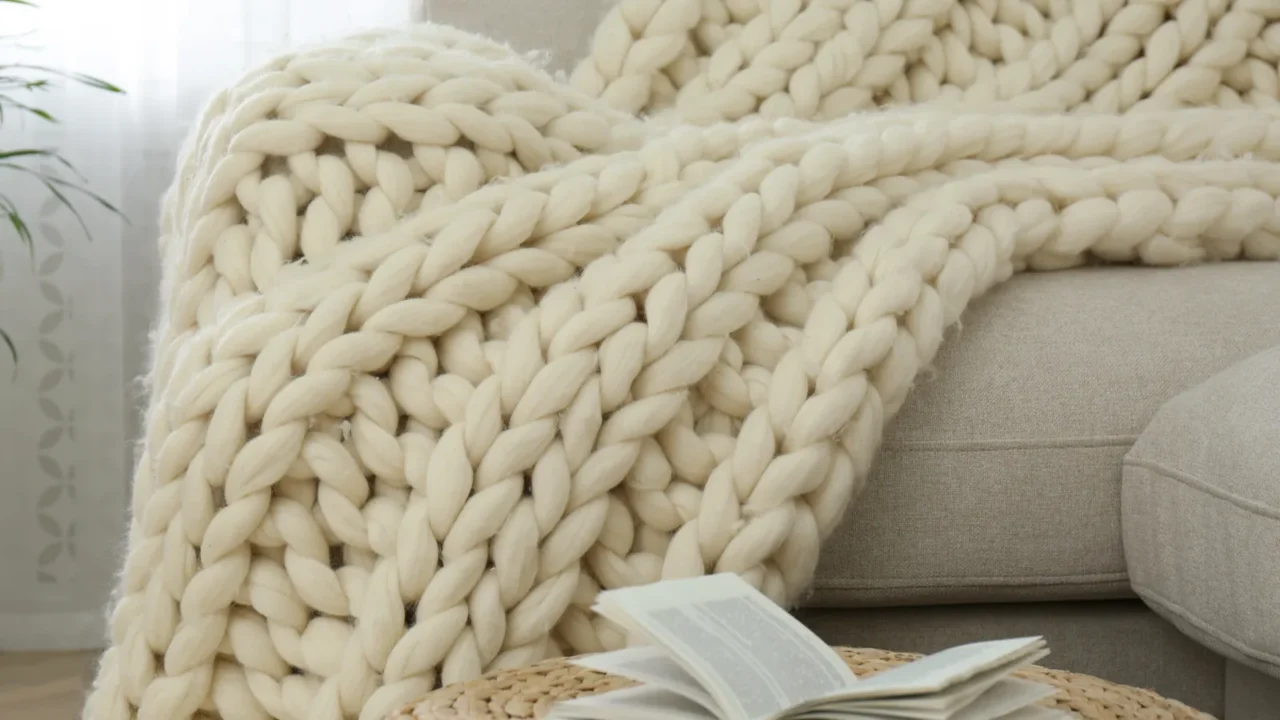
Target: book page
x,y
1003,698
1038,712
643,702
651,666
750,655
950,667
993,701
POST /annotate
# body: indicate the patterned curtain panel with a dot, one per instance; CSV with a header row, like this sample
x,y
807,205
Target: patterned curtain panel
x,y
78,307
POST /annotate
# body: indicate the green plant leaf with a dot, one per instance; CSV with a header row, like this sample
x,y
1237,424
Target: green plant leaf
x,y
7,154
44,153
83,79
51,181
13,350
38,112
28,3
69,205
19,225
52,184
24,232
17,82
89,194
54,156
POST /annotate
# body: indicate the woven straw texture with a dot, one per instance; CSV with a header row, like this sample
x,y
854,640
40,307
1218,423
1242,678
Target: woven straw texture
x,y
447,344
529,692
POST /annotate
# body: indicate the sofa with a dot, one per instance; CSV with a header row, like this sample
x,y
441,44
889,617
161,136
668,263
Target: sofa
x,y
1101,490
1086,494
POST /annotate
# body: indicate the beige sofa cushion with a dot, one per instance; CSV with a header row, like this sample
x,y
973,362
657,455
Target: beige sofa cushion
x,y
1201,511
1000,479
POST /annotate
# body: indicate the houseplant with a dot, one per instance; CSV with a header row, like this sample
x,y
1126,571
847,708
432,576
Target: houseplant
x,y
21,84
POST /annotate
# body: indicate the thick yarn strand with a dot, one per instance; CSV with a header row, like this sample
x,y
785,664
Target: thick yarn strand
x,y
448,346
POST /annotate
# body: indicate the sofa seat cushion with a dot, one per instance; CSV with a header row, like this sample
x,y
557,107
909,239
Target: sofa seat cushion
x,y
1200,510
1000,478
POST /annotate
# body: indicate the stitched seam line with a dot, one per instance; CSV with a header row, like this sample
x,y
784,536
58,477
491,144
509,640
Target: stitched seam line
x,y
913,583
1010,444
1174,608
1250,506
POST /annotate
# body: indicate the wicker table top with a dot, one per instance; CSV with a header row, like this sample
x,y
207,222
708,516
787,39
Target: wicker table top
x,y
529,692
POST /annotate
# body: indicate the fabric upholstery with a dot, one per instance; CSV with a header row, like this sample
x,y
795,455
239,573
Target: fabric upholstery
x,y
1201,512
1006,485
560,30
1249,694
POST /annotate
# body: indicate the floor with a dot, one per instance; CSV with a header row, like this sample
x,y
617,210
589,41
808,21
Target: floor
x,y
44,686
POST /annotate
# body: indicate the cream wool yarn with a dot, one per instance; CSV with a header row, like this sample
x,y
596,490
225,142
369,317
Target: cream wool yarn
x,y
447,346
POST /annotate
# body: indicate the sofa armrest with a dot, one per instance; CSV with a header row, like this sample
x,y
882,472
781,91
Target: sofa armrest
x,y
1200,507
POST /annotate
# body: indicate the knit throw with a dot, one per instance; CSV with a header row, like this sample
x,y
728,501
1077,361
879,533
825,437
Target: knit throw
x,y
448,344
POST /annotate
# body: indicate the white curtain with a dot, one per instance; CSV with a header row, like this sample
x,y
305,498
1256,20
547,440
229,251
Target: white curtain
x,y
79,311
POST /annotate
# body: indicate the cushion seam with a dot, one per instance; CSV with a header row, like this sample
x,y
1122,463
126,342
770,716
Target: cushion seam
x,y
1073,443
1174,608
1252,507
944,581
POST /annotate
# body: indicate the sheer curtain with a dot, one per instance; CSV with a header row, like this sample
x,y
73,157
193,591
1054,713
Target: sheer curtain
x,y
79,309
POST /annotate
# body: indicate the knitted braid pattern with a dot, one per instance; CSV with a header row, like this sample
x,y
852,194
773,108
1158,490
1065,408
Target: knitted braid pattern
x,y
447,345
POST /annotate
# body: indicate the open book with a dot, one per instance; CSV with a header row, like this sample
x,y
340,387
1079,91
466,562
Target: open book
x,y
715,648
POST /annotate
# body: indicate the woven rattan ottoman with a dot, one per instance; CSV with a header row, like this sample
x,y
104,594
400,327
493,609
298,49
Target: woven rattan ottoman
x,y
530,691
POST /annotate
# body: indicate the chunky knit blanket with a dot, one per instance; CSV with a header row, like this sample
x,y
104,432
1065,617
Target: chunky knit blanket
x,y
448,345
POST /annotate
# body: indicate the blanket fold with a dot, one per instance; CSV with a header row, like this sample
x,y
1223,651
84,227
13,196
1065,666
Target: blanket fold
x,y
448,345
